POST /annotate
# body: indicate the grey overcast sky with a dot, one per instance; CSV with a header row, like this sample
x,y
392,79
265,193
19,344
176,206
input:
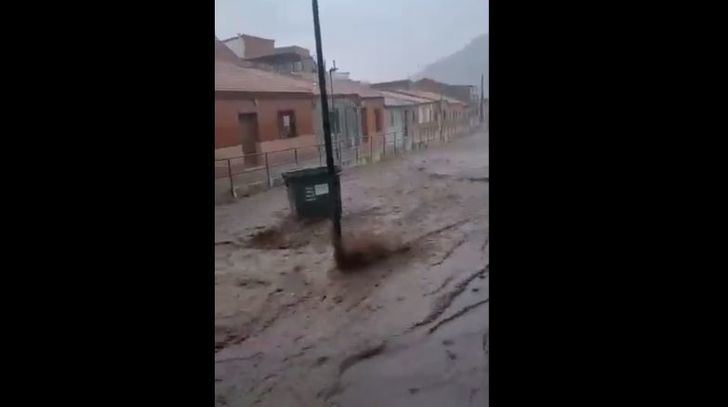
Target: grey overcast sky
x,y
375,40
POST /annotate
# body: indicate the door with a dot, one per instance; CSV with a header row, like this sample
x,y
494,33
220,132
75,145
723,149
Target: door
x,y
249,137
364,124
406,129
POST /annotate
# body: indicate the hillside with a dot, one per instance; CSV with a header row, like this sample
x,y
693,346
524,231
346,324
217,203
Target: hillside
x,y
463,67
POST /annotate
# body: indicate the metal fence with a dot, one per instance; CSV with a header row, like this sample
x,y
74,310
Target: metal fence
x,y
250,173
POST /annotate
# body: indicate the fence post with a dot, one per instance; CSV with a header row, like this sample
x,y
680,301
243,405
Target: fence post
x,y
384,146
295,156
318,149
230,176
395,144
338,145
356,153
267,172
371,149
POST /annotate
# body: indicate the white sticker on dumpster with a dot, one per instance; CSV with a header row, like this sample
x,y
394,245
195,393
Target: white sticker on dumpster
x,y
321,189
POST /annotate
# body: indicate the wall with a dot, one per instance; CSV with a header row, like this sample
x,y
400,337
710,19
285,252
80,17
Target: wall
x,y
428,86
305,64
395,124
463,93
371,104
402,84
256,47
277,157
237,46
375,138
349,120
460,92
426,113
304,52
229,105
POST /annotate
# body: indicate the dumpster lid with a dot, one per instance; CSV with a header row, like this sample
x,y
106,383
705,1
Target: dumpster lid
x,y
308,172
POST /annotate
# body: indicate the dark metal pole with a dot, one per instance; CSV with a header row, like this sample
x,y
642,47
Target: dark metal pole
x,y
333,109
334,186
331,78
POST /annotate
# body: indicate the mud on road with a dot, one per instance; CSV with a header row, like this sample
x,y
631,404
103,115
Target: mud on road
x,y
409,329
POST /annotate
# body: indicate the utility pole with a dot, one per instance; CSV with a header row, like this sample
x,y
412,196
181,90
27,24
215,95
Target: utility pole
x,y
334,185
482,97
331,79
336,140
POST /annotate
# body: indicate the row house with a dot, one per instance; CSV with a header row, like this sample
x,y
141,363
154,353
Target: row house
x,y
408,117
356,116
259,112
451,114
424,109
436,116
272,116
462,96
466,94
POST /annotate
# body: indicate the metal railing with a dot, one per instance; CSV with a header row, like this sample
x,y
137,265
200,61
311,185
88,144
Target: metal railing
x,y
249,173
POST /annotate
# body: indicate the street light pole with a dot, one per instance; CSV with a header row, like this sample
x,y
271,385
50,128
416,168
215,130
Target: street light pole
x,y
333,109
334,186
331,79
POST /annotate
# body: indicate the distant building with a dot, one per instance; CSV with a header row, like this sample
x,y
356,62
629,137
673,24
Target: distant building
x,y
225,54
357,115
401,84
287,60
464,93
249,46
402,114
262,53
340,75
437,116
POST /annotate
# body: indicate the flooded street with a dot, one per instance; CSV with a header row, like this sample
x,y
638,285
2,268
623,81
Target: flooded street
x,y
409,330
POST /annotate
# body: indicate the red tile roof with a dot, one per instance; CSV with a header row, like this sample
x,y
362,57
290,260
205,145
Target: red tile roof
x,y
342,87
231,74
392,98
349,87
429,95
230,77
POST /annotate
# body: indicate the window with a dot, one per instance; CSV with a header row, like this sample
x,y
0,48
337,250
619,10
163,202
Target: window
x,y
287,124
377,119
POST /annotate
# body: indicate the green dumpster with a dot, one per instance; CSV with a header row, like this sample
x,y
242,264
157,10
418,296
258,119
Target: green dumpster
x,y
308,192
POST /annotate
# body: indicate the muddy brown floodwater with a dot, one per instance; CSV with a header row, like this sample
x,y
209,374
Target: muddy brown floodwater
x,y
406,322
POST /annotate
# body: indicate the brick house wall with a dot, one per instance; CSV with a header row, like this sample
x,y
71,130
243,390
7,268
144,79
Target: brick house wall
x,y
256,46
228,132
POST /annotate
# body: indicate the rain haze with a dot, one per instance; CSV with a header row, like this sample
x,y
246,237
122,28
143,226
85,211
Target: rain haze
x,y
374,40
352,230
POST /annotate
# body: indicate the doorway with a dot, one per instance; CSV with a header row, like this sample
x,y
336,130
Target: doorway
x,y
249,137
